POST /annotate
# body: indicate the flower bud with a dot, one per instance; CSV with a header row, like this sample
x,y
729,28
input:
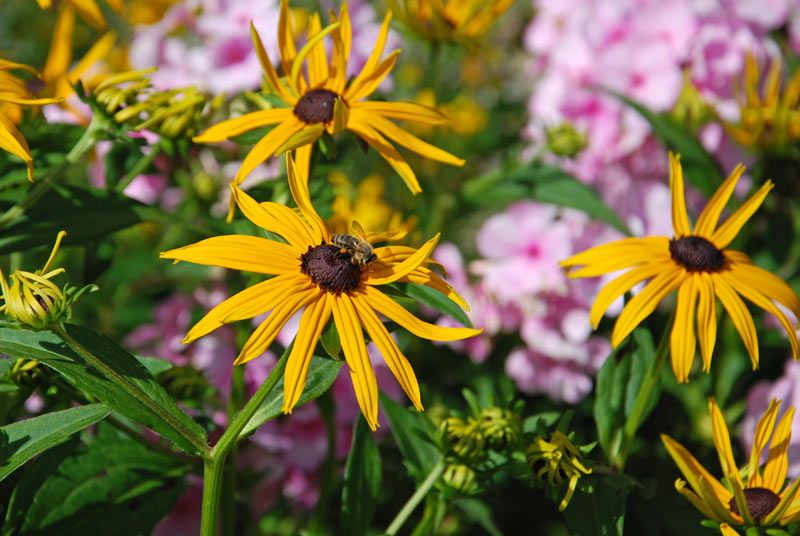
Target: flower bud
x,y
461,478
565,140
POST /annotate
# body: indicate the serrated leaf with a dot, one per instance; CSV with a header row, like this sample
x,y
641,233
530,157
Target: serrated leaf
x,y
21,441
412,433
362,481
51,351
435,299
322,373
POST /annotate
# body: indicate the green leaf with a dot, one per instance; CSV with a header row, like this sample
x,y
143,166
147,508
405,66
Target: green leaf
x,y
21,441
435,299
330,340
362,481
413,434
322,373
251,137
154,365
618,384
87,214
598,506
111,482
51,351
699,166
480,513
544,183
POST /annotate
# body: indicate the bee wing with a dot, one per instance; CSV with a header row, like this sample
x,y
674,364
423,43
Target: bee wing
x,y
357,230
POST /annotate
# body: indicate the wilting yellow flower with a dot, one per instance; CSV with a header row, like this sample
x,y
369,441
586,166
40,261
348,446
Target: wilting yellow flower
x,y
559,460
747,497
365,204
13,92
324,101
697,264
89,10
30,298
449,20
769,117
325,279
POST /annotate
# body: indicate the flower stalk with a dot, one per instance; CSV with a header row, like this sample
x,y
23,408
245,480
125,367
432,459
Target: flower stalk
x,y
415,499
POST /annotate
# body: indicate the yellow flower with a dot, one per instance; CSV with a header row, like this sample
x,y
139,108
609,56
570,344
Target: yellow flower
x,y
365,204
324,101
89,10
312,273
771,117
13,93
449,20
747,497
30,298
697,264
559,460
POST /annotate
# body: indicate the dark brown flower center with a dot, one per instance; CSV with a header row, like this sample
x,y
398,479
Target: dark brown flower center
x,y
696,254
760,502
316,106
330,268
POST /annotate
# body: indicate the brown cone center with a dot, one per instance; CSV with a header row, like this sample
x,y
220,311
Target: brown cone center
x,y
696,254
316,106
330,268
760,502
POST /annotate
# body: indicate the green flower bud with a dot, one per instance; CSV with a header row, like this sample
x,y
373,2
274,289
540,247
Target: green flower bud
x,y
461,479
565,140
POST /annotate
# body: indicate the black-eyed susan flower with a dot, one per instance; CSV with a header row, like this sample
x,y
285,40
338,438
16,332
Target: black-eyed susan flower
x,y
755,495
14,93
769,115
323,100
325,280
449,20
696,263
558,460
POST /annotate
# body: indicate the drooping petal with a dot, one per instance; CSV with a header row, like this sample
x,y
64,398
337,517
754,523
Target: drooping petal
x,y
619,286
12,140
276,218
706,318
313,321
403,111
412,143
392,310
693,471
238,125
375,140
355,352
722,441
740,316
682,337
767,283
239,252
251,302
680,218
778,460
298,184
645,302
394,358
266,332
692,497
760,437
266,147
708,219
726,232
392,273
617,255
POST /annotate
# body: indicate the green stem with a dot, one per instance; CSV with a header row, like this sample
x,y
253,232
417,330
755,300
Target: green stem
x,y
130,388
229,479
140,167
84,144
327,410
415,499
215,463
649,383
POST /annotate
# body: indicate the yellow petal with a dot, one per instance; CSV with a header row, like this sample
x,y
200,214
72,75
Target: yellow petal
x,y
341,52
619,286
392,355
645,302
390,309
722,441
740,316
355,352
386,150
741,501
392,272
726,530
682,337
238,125
377,51
766,282
708,219
313,41
250,302
726,232
680,487
269,70
266,147
90,11
298,184
680,219
313,321
693,471
99,51
411,142
276,218
369,83
788,501
317,62
403,111
286,38
617,255
60,55
239,252
778,460
706,318
265,333
424,276
760,437
12,140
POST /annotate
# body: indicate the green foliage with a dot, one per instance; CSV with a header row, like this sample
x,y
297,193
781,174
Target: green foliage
x,y
362,481
599,508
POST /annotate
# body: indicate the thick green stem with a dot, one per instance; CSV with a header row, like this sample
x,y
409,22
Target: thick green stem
x,y
140,167
84,144
649,383
415,499
228,502
215,463
130,388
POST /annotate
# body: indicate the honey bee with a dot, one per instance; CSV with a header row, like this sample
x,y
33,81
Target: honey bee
x,y
356,245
